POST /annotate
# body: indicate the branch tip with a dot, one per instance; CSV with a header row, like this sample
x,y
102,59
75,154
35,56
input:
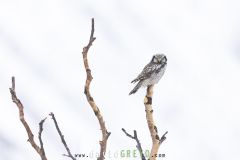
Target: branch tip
x,y
13,83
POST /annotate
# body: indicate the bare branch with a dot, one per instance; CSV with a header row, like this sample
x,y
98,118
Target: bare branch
x,y
18,103
105,133
163,138
156,141
62,138
40,136
139,147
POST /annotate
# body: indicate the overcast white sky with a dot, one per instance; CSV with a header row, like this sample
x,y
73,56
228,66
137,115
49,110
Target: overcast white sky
x,y
197,100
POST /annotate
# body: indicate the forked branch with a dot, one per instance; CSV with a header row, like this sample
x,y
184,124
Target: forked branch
x,y
105,133
39,150
135,137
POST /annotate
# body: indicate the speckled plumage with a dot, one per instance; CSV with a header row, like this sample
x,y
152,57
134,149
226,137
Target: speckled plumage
x,y
151,73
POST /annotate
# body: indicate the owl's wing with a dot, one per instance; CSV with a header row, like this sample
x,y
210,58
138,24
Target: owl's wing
x,y
146,73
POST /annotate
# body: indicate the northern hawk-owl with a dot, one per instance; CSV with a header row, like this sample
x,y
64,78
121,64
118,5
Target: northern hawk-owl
x,y
151,73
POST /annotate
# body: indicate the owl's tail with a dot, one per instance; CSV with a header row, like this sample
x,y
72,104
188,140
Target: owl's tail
x,y
135,89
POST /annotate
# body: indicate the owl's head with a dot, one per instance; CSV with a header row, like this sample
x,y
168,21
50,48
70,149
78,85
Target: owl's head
x,y
159,58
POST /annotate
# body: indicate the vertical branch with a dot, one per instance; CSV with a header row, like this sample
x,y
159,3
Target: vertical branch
x,y
105,133
156,141
39,150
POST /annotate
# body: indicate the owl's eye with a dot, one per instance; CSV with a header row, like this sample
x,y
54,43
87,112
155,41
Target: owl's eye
x,y
155,60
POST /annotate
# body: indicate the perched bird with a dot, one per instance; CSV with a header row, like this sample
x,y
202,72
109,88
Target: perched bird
x,y
151,73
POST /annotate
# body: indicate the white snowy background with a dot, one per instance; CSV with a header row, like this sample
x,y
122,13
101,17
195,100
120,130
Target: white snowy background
x,y
197,100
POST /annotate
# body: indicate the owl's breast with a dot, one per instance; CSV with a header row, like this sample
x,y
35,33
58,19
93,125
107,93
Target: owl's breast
x,y
154,77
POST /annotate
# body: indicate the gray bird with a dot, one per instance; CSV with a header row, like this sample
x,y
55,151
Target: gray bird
x,y
151,73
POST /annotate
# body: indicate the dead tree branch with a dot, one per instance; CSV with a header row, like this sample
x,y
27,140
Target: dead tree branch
x,y
39,150
139,147
105,133
156,141
62,138
40,135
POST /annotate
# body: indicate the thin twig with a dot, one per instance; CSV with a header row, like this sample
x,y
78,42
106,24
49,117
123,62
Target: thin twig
x,y
39,150
40,135
156,141
105,133
163,138
62,138
139,147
